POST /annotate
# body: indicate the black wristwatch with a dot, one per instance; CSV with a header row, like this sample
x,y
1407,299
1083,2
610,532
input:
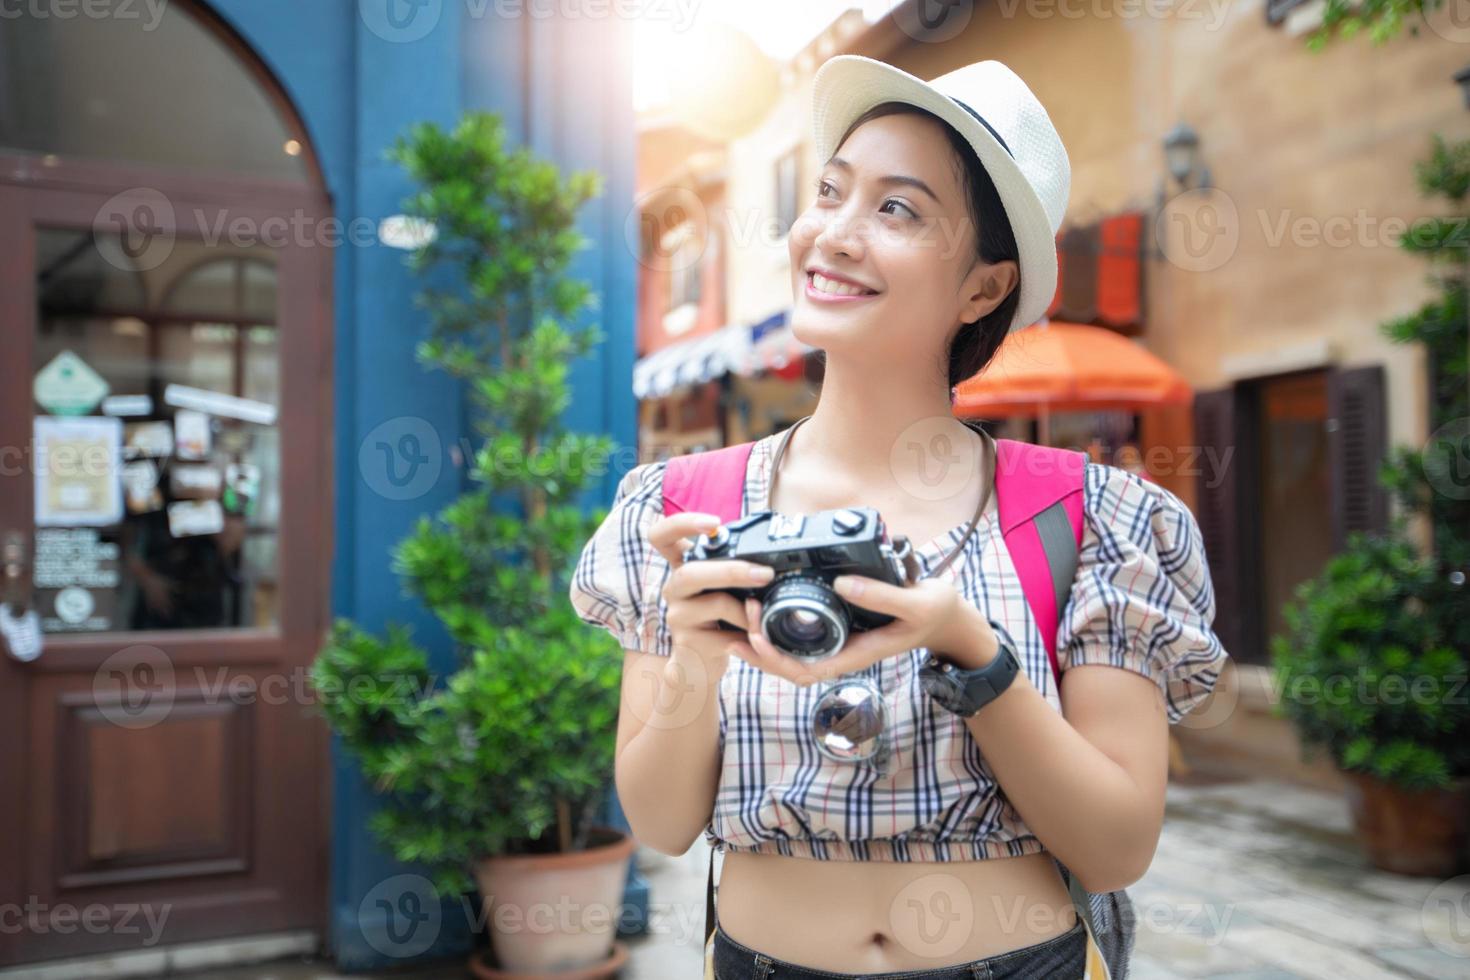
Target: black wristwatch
x,y
964,692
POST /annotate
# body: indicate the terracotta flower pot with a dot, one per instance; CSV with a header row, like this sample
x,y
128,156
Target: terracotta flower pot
x,y
556,913
1424,832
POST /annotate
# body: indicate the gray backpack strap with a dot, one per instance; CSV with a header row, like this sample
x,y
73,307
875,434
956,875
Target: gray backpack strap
x,y
1108,916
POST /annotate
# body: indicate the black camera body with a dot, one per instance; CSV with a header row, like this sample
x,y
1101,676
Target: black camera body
x,y
801,614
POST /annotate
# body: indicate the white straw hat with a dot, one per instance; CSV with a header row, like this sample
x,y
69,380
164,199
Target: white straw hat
x,y
998,115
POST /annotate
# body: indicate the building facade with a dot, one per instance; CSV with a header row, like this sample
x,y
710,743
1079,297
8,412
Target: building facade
x,y
202,277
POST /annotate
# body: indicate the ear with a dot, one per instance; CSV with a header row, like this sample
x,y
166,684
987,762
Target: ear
x,y
987,286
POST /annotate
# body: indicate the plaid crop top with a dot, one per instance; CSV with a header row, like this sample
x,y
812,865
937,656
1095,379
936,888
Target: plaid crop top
x,y
1142,600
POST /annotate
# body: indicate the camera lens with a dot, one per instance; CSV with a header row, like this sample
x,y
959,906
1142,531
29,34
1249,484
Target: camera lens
x,y
804,618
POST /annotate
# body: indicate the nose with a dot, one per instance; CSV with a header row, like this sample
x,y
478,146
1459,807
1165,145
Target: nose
x,y
842,234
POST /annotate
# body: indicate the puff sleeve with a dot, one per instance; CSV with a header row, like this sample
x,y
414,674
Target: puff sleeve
x,y
1142,598
618,580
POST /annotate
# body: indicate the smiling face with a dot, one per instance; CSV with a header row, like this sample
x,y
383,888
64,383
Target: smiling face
x,y
889,223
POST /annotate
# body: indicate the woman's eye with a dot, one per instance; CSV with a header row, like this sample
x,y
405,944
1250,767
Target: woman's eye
x,y
822,184
912,213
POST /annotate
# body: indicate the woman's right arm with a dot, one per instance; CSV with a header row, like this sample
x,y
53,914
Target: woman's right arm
x,y
667,766
668,755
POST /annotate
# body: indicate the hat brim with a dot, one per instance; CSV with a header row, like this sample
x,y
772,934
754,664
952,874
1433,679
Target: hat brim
x,y
847,86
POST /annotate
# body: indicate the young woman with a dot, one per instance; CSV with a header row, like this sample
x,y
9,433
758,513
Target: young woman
x,y
930,235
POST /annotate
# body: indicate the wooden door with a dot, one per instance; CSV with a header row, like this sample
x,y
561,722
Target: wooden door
x,y
164,772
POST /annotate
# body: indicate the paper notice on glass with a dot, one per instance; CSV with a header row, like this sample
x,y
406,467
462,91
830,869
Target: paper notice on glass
x,y
140,484
148,439
218,403
195,480
191,434
187,518
77,463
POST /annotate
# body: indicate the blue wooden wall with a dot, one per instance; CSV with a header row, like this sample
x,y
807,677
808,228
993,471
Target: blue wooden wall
x,y
359,79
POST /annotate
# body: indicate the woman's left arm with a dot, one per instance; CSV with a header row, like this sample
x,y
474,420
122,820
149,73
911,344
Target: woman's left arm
x,y
1137,651
1089,785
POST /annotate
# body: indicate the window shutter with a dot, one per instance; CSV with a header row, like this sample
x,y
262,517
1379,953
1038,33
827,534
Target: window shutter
x,y
1217,507
1357,438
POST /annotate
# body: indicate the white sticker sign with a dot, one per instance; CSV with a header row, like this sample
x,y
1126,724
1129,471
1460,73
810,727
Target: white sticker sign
x,y
67,385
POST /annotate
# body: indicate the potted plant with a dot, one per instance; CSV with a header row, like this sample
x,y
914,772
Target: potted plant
x,y
494,774
1373,664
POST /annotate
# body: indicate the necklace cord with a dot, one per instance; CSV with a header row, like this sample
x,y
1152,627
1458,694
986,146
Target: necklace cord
x,y
988,463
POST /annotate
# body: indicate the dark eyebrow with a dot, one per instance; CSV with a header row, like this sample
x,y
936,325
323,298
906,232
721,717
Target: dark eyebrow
x,y
889,180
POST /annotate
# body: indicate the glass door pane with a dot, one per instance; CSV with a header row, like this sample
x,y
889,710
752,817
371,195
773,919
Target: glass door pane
x,y
157,444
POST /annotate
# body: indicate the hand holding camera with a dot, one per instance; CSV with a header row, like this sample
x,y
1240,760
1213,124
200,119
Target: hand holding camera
x,y
802,614
842,597
699,596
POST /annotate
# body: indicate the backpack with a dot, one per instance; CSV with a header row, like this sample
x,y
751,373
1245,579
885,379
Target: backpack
x,y
1039,499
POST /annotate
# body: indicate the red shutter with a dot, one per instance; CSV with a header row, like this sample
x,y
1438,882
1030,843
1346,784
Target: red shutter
x,y
1119,271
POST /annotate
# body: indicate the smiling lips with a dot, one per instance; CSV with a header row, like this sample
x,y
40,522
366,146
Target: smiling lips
x,y
828,290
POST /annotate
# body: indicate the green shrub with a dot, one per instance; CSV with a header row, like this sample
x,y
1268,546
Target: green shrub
x,y
512,752
1381,618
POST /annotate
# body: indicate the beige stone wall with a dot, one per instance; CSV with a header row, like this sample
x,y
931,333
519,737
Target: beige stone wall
x,y
1314,151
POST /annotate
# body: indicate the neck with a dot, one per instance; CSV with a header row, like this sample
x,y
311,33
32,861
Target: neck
x,y
860,418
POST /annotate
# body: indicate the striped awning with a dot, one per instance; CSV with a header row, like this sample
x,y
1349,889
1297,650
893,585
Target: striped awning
x,y
776,350
743,349
692,361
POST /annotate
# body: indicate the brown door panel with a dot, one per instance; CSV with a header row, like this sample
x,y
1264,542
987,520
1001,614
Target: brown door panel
x,y
168,783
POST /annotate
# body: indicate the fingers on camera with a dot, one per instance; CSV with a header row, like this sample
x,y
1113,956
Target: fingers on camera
x,y
718,573
703,612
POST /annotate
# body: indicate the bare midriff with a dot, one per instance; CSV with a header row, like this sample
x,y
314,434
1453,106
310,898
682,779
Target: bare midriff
x,y
882,916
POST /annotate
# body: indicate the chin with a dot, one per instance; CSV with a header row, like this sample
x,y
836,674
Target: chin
x,y
824,332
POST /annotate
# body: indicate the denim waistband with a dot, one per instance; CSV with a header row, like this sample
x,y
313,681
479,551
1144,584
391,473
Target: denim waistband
x,y
1059,957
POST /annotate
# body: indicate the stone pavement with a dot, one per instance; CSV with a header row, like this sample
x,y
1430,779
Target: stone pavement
x,y
1256,880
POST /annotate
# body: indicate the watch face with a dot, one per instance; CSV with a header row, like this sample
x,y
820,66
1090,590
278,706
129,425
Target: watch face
x,y
942,688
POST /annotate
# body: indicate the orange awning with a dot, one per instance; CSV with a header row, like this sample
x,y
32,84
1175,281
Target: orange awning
x,y
1069,367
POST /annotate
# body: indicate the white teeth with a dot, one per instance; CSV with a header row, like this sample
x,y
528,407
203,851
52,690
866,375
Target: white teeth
x,y
825,285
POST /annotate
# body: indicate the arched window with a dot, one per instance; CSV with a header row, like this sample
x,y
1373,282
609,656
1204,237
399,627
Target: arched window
x,y
145,89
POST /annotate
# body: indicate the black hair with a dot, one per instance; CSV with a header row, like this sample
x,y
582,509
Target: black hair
x,y
974,344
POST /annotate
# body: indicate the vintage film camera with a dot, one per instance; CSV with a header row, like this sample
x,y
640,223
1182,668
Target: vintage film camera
x,y
801,614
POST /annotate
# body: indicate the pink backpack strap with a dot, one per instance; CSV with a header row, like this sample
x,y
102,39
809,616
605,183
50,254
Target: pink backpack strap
x,y
711,482
1039,497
